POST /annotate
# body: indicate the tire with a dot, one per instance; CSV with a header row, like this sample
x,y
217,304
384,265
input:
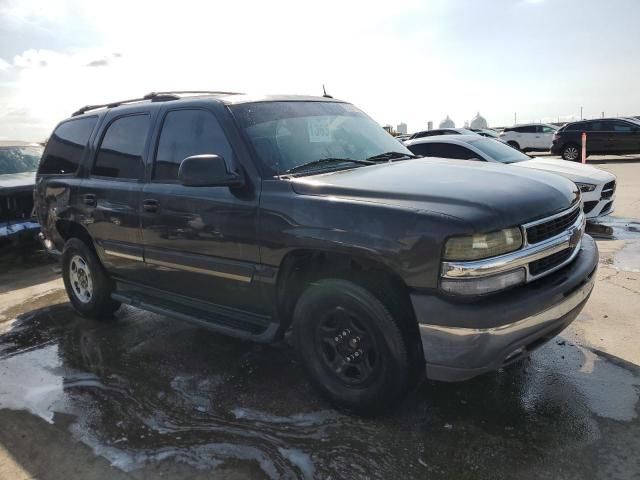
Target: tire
x,y
351,347
570,152
87,283
514,144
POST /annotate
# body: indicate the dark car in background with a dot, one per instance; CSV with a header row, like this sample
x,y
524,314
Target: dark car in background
x,y
18,165
605,136
260,216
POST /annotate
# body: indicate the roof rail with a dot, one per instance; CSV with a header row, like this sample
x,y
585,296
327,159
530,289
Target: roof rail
x,y
191,92
153,96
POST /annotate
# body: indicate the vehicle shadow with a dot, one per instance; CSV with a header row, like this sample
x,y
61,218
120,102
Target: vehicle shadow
x,y
149,392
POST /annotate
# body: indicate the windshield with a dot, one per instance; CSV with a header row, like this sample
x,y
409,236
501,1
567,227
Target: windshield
x,y
19,159
498,151
289,134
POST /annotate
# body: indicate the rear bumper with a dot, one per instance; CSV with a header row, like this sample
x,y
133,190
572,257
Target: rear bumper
x,y
470,339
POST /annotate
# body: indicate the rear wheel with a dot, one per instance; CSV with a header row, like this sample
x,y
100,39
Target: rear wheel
x,y
570,152
88,285
514,144
351,346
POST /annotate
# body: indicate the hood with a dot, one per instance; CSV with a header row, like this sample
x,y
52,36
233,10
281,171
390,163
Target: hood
x,y
488,196
18,181
576,172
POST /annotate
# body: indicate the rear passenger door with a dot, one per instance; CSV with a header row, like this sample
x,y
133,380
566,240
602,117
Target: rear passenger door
x,y
200,242
597,136
544,137
623,137
111,193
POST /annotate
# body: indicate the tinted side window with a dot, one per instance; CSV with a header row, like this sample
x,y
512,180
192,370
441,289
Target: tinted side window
x,y
579,127
528,129
620,127
423,149
120,153
65,149
545,129
185,133
446,150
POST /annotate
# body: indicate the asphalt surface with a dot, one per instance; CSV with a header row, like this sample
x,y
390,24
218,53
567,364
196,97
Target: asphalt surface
x,y
147,396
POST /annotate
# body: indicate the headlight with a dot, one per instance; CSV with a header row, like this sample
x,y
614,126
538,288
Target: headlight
x,y
483,245
483,285
586,187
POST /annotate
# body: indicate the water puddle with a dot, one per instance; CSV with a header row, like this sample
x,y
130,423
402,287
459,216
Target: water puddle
x,y
627,259
148,389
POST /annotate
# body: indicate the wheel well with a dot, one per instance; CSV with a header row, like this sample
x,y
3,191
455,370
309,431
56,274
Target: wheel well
x,y
301,268
67,229
513,143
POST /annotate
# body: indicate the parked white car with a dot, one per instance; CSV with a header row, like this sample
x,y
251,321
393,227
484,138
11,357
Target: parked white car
x,y
597,186
530,137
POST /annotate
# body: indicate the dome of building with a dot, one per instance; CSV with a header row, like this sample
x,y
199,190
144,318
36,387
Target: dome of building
x,y
447,123
479,122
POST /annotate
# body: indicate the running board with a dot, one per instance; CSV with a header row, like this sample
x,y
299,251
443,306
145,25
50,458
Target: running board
x,y
220,319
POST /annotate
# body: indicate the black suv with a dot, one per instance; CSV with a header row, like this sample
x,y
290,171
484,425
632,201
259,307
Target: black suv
x,y
259,216
606,136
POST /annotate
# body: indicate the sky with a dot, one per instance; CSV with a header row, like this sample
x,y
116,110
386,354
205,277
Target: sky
x,y
400,61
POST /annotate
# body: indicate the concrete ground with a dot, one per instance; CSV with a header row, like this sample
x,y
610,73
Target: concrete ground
x,y
151,397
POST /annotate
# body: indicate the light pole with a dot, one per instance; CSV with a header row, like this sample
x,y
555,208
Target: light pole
x,y
580,113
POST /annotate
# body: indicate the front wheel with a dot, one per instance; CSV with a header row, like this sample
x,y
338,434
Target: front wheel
x,y
351,346
570,152
88,285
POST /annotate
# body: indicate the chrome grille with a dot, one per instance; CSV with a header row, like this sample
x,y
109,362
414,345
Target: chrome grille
x,y
539,266
548,229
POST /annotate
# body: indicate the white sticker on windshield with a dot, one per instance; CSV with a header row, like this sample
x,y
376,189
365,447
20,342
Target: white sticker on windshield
x,y
319,129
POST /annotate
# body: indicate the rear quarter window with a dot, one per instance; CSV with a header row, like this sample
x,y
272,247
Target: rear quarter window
x,y
66,146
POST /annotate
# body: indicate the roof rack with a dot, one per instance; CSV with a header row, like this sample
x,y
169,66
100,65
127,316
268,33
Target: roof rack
x,y
154,97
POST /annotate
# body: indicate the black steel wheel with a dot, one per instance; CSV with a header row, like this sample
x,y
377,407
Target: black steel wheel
x,y
351,346
347,346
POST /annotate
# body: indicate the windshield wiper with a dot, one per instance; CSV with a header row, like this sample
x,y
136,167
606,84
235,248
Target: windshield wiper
x,y
326,161
391,156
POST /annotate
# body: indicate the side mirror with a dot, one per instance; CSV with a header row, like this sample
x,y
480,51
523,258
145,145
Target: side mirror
x,y
207,171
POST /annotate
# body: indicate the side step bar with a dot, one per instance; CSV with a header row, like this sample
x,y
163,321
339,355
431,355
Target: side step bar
x,y
219,319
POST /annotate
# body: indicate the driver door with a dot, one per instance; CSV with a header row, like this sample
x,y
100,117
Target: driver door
x,y
200,242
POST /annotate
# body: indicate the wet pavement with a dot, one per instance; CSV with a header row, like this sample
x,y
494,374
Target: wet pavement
x,y
148,389
151,397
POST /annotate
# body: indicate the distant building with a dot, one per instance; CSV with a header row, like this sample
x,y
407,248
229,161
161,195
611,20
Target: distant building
x,y
479,122
466,124
402,128
388,128
430,125
447,123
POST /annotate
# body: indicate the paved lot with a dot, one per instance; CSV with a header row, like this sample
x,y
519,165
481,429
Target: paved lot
x,y
149,397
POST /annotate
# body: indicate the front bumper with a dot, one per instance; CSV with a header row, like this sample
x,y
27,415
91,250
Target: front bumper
x,y
463,340
596,204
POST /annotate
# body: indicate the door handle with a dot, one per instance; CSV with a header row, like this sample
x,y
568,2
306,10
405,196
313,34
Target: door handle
x,y
89,199
150,205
